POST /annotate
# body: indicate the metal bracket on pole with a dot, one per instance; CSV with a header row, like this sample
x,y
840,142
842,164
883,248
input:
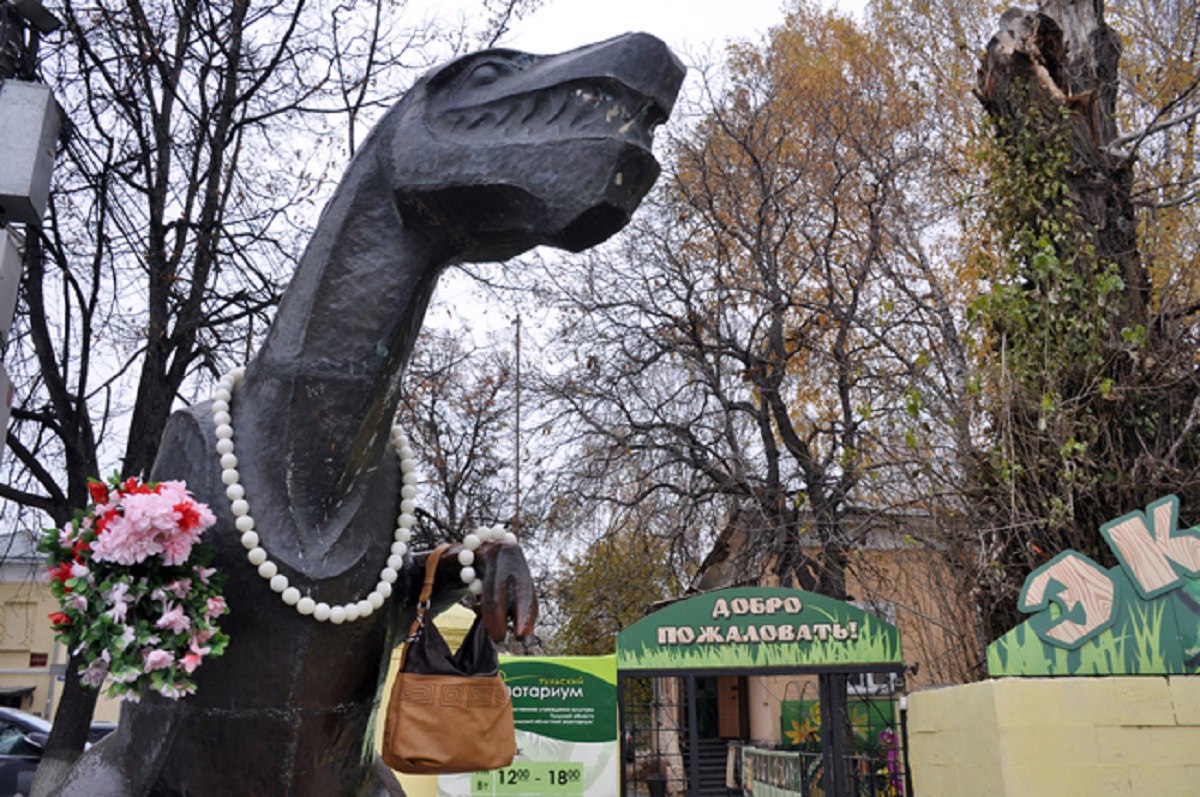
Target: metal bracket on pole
x,y
29,125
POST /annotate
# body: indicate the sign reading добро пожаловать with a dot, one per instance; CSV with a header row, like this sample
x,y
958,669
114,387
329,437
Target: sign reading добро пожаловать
x,y
757,627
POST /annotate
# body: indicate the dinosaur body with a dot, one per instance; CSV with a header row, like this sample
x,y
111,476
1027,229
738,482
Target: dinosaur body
x,y
484,158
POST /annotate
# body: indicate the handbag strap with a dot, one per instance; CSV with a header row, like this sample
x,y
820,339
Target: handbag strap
x,y
418,624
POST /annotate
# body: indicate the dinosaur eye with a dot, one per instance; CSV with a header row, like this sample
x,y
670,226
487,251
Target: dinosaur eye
x,y
487,73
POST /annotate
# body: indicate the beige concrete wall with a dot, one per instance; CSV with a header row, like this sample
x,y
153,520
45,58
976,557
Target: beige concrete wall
x,y
1050,737
936,628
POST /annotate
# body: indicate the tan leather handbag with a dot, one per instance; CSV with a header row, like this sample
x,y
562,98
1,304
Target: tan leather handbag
x,y
447,712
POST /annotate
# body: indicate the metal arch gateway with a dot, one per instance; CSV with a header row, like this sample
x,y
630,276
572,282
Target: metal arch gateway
x,y
748,631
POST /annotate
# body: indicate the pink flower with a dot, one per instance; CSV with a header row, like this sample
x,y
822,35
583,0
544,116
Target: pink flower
x,y
174,619
177,546
179,587
174,491
196,644
176,691
97,670
151,512
216,607
127,525
127,541
165,521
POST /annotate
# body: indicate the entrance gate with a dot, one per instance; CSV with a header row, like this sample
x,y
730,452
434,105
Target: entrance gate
x,y
694,688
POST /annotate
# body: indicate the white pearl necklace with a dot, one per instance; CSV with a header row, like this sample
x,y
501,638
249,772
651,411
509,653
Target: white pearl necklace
x,y
466,557
257,555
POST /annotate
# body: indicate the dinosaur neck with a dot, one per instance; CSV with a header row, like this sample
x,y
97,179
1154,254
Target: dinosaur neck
x,y
319,397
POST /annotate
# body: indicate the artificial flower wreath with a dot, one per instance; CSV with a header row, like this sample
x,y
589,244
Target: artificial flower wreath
x,y
139,601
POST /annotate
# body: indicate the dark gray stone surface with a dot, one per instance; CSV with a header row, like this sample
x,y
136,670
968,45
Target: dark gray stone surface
x,y
485,158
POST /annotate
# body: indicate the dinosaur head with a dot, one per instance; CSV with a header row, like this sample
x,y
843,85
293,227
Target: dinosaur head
x,y
501,151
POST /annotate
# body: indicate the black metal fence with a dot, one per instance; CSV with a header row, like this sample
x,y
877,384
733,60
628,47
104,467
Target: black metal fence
x,y
665,756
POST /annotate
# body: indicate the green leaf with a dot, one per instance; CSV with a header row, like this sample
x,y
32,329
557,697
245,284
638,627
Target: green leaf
x,y
912,402
1134,336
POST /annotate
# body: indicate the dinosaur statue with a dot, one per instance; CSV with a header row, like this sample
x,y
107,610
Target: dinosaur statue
x,y
483,159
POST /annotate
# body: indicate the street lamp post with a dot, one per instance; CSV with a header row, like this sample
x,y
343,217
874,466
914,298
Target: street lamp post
x,y
29,125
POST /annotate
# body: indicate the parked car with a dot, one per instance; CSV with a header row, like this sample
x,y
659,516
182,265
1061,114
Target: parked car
x,y
22,737
99,729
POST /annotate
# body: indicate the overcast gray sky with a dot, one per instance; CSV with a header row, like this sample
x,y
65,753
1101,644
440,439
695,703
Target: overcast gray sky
x,y
686,25
691,28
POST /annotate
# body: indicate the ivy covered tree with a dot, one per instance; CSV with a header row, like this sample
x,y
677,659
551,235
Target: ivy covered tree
x,y
1086,348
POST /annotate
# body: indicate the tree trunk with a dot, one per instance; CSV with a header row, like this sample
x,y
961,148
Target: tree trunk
x,y
1062,60
1049,80
69,734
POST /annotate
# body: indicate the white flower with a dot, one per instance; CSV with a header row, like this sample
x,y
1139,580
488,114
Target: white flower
x,y
118,597
127,637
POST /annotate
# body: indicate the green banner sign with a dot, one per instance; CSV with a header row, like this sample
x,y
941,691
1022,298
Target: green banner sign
x,y
1141,617
556,699
565,712
757,627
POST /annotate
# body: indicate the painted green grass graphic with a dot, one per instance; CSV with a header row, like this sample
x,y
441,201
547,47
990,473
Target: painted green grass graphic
x,y
879,650
1141,617
1144,639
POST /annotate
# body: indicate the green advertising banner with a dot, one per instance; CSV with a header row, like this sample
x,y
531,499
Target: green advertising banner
x,y
758,627
565,712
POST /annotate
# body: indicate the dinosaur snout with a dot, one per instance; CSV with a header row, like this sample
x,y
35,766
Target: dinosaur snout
x,y
519,150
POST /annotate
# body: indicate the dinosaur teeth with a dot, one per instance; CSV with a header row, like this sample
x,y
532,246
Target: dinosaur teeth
x,y
512,109
561,110
539,102
486,117
580,115
597,111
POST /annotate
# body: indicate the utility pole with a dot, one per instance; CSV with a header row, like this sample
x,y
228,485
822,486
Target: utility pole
x,y
516,524
29,127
